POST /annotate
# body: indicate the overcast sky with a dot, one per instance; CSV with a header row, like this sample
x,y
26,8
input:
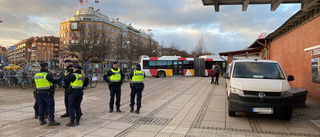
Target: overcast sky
x,y
181,22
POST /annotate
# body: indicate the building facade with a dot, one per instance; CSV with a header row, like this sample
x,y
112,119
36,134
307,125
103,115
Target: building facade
x,y
91,23
3,54
34,49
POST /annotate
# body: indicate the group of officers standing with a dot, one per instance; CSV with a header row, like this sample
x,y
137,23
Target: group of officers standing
x,y
74,82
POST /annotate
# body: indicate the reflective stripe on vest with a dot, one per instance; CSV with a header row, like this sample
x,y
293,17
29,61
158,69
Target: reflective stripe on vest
x,y
116,77
78,83
41,81
137,77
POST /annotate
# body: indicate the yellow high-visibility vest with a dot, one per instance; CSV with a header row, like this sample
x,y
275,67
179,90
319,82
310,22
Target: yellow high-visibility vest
x,y
137,77
116,77
78,83
41,81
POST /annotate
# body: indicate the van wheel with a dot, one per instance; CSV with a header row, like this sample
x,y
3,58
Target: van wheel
x,y
286,116
231,113
161,74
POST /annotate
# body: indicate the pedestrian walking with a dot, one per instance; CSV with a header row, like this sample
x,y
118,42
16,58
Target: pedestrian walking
x,y
68,72
217,71
45,92
114,77
212,74
77,82
137,87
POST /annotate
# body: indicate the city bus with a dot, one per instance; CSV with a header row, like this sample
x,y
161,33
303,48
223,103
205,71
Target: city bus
x,y
177,66
167,66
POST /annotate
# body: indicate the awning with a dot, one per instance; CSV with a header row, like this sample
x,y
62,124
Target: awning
x,y
312,48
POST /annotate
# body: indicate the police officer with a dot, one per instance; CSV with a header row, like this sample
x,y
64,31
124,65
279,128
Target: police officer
x,y
68,72
45,92
137,87
114,78
76,81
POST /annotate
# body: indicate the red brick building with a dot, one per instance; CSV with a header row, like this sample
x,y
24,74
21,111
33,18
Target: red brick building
x,y
288,50
295,45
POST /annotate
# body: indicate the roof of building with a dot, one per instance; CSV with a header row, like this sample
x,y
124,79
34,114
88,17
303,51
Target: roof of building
x,y
305,4
295,21
240,52
90,14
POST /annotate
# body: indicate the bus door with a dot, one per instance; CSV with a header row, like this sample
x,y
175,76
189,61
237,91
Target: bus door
x,y
177,68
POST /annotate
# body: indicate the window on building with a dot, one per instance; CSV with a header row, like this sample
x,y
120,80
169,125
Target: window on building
x,y
74,25
105,27
98,26
91,26
99,34
85,26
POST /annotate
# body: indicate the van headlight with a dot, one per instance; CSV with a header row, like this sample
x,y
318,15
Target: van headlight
x,y
236,91
286,94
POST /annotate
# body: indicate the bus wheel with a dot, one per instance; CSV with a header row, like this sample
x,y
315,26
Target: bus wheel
x,y
161,74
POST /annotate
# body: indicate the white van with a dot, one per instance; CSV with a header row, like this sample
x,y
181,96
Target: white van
x,y
258,86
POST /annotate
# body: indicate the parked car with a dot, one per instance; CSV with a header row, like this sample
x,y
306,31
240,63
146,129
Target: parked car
x,y
12,67
258,86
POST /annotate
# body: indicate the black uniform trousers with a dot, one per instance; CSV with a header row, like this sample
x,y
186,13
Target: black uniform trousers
x,y
46,100
115,90
74,102
66,100
136,90
36,107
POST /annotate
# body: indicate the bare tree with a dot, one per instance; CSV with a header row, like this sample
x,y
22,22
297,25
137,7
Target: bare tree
x,y
83,43
200,48
103,47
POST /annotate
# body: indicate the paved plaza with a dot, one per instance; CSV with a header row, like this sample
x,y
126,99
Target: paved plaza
x,y
172,106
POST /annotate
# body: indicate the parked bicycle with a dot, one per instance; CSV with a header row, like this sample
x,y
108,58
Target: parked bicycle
x,y
93,79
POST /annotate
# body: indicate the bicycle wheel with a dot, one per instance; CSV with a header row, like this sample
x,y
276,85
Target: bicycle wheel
x,y
11,83
93,84
24,84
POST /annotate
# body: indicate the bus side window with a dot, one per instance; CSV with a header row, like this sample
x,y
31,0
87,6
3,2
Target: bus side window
x,y
169,64
188,64
152,64
146,64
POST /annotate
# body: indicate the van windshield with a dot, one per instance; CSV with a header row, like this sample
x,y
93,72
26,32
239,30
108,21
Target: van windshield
x,y
258,70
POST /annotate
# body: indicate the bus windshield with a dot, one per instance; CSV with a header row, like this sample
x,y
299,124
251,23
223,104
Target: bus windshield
x,y
258,70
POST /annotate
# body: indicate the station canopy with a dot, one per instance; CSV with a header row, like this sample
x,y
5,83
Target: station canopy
x,y
305,4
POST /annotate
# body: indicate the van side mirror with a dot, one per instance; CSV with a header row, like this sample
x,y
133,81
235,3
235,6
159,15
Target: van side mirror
x,y
290,78
226,76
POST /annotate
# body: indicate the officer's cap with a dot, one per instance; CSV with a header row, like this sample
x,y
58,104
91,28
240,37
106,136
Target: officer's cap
x,y
44,64
68,60
115,62
77,67
138,66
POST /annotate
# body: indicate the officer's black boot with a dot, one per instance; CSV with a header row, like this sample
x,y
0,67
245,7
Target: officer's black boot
x,y
138,110
53,123
42,122
65,115
118,109
131,110
70,124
